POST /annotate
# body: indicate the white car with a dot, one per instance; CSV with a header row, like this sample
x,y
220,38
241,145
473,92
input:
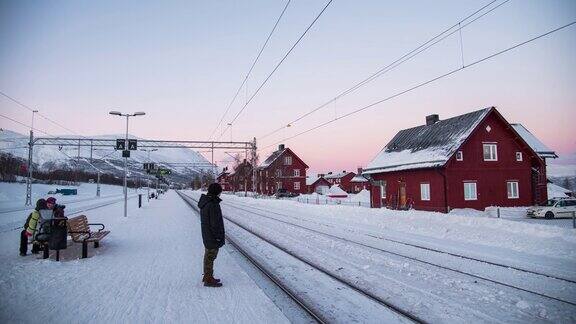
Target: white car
x,y
558,207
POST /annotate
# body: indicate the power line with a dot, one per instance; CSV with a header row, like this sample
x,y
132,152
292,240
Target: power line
x,y
278,65
251,68
404,58
27,126
427,82
38,113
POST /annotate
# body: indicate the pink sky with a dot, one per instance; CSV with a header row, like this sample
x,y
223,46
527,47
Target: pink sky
x,y
77,61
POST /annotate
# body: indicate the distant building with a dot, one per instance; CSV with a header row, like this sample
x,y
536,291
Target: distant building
x,y
341,179
224,180
241,179
359,182
318,185
283,169
474,160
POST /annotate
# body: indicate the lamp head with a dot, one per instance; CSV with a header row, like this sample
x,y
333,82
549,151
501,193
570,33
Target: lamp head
x,y
116,113
139,113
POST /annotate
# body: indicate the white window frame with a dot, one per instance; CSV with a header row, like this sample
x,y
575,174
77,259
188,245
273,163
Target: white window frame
x,y
459,156
296,172
297,185
425,191
383,190
469,185
519,157
288,160
278,185
493,151
513,189
278,173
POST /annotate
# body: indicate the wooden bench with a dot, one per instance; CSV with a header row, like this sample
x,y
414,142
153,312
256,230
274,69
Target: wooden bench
x,y
79,230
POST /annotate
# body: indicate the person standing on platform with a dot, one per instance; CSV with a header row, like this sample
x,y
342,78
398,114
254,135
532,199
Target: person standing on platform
x,y
212,231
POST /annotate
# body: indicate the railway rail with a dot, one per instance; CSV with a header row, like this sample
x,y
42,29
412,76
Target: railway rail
x,y
311,309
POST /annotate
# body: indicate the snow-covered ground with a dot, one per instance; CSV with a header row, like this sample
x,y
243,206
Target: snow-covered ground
x,y
13,195
438,285
147,270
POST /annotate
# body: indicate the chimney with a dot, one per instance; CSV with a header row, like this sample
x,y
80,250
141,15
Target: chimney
x,y
360,170
281,147
343,171
321,175
432,119
330,172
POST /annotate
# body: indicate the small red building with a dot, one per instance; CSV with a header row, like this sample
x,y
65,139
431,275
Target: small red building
x,y
283,169
359,182
241,179
342,179
224,180
318,185
474,160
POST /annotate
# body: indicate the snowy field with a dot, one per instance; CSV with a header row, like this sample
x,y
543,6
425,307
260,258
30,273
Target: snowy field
x,y
445,268
147,270
441,268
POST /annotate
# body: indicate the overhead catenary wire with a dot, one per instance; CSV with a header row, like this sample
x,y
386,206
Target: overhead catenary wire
x,y
19,103
404,58
277,66
442,76
25,125
251,68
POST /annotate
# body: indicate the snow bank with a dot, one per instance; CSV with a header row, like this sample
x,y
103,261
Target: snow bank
x,y
336,191
362,196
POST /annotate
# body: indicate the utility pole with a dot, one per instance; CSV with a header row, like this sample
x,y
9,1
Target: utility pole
x,y
29,180
30,154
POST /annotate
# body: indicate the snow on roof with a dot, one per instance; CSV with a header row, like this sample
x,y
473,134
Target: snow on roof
x,y
336,175
426,146
359,178
310,180
536,145
555,191
272,158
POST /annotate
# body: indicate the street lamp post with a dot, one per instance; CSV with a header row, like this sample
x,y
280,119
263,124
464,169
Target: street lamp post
x,y
117,113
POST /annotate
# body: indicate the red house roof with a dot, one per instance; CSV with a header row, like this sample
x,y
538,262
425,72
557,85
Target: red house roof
x,y
428,146
276,154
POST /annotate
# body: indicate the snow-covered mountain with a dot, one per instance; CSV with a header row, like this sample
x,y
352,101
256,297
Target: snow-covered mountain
x,y
108,160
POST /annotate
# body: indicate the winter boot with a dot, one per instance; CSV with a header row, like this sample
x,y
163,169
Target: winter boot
x,y
209,281
205,276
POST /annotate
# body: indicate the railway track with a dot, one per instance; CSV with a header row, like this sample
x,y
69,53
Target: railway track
x,y
348,241
417,246
310,309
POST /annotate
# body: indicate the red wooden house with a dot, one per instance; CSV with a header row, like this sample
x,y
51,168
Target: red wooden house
x,y
224,180
241,179
474,160
342,179
359,182
283,169
318,185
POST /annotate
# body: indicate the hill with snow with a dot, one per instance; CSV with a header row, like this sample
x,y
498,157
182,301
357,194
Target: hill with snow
x,y
108,160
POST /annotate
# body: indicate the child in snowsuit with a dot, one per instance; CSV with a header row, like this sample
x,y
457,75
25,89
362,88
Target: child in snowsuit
x,y
31,226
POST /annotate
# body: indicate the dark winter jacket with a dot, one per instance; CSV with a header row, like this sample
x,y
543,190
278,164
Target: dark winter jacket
x,y
212,222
